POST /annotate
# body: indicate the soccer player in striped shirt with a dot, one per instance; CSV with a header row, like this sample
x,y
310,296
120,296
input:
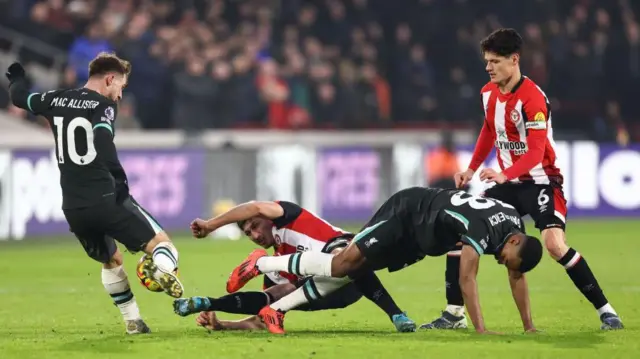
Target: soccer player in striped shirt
x,y
518,124
288,229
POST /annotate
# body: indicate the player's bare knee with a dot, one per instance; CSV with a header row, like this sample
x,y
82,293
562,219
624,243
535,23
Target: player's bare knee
x,y
346,261
555,243
115,261
161,237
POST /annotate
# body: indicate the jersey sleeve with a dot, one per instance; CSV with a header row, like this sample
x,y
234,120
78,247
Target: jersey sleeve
x,y
36,103
484,143
536,113
472,232
291,212
483,147
102,121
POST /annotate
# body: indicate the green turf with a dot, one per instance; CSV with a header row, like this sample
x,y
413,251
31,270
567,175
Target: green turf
x,y
52,305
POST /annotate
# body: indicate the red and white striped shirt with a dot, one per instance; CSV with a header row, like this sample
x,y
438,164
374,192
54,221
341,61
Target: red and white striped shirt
x,y
299,230
518,124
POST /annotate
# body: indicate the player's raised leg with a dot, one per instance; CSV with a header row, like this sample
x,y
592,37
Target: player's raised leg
x,y
134,227
453,316
116,283
302,264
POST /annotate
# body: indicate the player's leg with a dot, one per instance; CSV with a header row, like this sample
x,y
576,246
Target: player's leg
x,y
370,286
86,224
134,227
236,303
453,317
114,279
116,283
549,213
312,289
301,264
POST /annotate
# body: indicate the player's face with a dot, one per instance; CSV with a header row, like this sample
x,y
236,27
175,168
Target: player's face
x,y
259,230
510,254
500,68
115,83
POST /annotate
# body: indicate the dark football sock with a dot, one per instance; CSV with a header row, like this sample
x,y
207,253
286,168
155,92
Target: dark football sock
x,y
241,303
371,287
581,275
452,281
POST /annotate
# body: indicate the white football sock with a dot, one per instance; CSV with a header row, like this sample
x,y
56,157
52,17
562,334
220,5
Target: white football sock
x,y
116,283
313,289
165,256
607,308
302,264
457,310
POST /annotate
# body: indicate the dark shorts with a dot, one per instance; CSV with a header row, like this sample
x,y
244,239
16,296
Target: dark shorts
x,y
341,298
544,203
96,227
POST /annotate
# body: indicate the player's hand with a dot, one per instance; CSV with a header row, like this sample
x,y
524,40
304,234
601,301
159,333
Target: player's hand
x,y
462,178
15,72
488,332
200,228
208,321
490,175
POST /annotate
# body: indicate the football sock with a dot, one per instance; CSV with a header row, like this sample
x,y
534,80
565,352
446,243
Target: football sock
x,y
455,302
241,303
302,264
581,275
165,257
370,286
116,283
313,289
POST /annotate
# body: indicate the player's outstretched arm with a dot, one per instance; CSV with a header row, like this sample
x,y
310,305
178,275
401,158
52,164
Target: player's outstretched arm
x,y
36,103
18,86
520,291
209,321
268,209
469,261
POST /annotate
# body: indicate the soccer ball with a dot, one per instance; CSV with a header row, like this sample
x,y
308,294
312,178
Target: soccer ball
x,y
147,282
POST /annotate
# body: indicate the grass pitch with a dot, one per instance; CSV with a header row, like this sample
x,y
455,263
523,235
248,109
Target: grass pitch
x,y
53,305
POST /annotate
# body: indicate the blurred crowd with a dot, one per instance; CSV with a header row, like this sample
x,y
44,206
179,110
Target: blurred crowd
x,y
291,64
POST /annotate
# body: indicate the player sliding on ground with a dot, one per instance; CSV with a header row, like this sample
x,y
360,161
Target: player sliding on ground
x,y
289,229
410,225
95,194
518,123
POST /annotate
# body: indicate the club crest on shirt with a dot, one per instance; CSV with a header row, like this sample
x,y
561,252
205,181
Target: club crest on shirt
x,y
515,116
278,239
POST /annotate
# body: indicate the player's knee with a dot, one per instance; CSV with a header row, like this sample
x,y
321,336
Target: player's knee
x,y
341,265
114,261
345,262
555,243
161,237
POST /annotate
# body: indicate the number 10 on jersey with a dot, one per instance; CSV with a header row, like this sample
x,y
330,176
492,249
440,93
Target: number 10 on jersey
x,y
78,123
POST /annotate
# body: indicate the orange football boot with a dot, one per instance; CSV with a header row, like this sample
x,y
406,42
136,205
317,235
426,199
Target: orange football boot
x,y
246,271
273,319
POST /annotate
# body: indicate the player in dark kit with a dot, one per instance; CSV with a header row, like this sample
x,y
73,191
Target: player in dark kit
x,y
410,225
288,229
518,123
96,200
